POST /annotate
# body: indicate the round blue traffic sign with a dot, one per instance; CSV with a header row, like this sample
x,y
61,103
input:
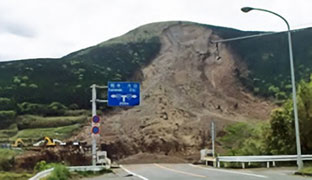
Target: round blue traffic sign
x,y
95,130
96,119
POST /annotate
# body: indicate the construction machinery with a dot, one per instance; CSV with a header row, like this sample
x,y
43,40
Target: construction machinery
x,y
49,142
18,143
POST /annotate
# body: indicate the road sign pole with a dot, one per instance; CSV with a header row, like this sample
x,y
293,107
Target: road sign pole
x,y
124,94
213,137
92,134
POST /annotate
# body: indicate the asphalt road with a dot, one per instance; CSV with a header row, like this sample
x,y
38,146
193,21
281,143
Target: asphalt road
x,y
197,172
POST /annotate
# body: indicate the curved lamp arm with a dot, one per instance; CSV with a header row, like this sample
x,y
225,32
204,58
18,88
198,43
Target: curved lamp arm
x,y
247,9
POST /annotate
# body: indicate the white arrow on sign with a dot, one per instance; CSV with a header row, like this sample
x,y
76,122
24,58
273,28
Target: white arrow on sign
x,y
128,96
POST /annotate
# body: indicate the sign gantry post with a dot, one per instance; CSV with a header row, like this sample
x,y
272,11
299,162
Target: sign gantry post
x,y
118,94
95,130
93,115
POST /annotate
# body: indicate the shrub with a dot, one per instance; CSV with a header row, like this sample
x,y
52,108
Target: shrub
x,y
6,104
60,172
32,121
245,139
7,115
43,165
79,112
6,118
73,107
40,166
55,109
31,108
7,158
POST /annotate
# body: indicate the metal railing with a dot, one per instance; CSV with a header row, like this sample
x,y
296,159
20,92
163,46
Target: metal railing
x,y
87,168
42,174
264,158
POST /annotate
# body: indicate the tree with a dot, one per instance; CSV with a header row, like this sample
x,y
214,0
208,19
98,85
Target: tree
x,y
281,138
6,104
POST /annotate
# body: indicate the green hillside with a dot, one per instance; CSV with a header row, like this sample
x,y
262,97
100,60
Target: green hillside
x,y
268,63
67,80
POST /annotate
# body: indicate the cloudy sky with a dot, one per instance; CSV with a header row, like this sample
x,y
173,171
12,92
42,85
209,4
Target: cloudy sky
x,y
54,28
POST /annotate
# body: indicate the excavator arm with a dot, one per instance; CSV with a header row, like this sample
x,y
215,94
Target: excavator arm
x,y
49,142
18,143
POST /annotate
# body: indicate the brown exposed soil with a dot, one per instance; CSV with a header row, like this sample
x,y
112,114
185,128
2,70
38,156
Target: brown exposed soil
x,y
68,155
184,88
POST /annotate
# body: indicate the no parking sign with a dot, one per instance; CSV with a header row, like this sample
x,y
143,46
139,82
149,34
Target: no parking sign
x,y
95,130
95,124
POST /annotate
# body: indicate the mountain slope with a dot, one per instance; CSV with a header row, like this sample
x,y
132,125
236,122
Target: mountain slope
x,y
183,89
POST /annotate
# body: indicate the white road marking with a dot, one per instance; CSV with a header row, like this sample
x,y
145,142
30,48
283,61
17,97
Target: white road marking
x,y
134,174
181,172
228,171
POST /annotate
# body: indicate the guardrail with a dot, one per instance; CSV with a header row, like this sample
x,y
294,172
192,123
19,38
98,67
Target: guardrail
x,y
87,168
264,158
47,172
42,174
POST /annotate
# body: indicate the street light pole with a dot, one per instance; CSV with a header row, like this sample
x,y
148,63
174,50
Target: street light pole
x,y
292,71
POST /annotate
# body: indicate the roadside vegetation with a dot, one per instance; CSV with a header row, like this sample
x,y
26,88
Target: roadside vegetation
x,y
84,174
14,176
306,170
61,172
7,158
245,138
277,136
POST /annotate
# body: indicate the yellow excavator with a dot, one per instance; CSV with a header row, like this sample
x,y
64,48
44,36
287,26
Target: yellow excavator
x,y
49,142
18,143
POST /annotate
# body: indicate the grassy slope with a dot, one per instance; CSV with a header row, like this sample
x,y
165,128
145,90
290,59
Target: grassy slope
x,y
54,132
14,176
31,127
31,121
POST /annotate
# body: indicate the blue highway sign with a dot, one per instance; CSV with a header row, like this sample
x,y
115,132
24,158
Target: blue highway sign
x,y
123,94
